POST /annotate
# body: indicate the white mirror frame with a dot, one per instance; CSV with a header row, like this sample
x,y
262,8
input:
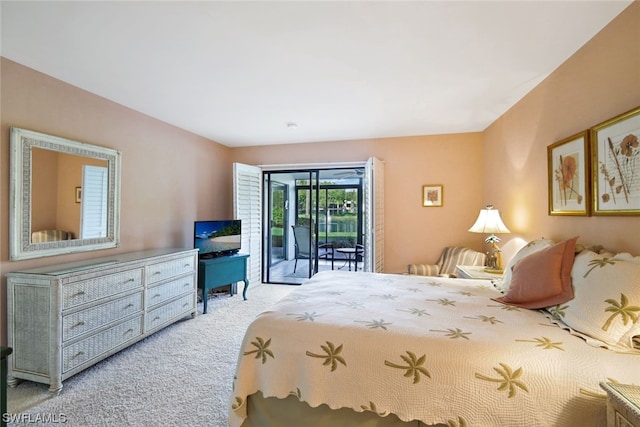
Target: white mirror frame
x,y
20,246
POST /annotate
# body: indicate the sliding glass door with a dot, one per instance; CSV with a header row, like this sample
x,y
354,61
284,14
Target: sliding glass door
x,y
290,240
340,207
315,219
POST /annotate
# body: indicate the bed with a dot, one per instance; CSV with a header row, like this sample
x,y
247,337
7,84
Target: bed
x,y
371,349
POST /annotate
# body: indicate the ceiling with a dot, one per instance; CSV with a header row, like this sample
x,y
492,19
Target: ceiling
x,y
255,73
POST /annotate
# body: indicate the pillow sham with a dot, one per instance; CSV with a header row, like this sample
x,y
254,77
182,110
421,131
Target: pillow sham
x,y
606,304
543,278
530,248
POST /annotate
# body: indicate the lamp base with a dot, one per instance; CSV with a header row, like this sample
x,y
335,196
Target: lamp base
x,y
494,270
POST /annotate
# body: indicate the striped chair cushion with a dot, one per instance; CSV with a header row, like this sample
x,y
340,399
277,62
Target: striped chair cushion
x,y
455,255
446,265
424,269
50,236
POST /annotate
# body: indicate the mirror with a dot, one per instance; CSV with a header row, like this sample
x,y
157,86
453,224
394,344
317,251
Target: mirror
x,y
64,196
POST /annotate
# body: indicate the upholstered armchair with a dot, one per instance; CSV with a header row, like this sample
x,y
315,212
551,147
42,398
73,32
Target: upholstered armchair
x,y
446,264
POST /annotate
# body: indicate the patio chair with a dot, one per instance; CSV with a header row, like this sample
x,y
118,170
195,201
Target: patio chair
x,y
304,248
302,243
326,252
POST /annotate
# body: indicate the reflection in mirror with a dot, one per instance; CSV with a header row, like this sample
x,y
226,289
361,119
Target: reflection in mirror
x,y
64,196
57,191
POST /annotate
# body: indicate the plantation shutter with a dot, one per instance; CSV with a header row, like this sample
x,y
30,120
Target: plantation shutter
x,y
374,216
93,218
247,206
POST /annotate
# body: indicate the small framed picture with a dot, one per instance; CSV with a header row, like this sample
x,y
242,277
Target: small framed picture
x,y
615,145
569,184
432,195
78,194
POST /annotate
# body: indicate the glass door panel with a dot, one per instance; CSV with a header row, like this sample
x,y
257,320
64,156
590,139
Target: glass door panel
x,y
278,219
306,219
289,245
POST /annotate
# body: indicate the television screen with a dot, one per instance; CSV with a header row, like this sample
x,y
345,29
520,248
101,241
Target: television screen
x,y
217,238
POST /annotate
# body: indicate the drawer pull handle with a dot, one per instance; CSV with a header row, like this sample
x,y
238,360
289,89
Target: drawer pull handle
x,y
128,305
130,280
185,304
156,296
157,272
156,318
128,331
187,284
78,354
78,294
187,265
80,323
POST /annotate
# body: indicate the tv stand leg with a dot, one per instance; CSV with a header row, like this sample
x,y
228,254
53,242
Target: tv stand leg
x,y
244,291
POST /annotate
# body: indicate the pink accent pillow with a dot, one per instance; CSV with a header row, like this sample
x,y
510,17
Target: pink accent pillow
x,y
542,279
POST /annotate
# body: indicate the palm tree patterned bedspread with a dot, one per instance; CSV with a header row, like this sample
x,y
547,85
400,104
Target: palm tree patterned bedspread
x,y
424,348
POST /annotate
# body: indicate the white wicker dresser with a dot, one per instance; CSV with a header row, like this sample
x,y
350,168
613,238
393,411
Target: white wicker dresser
x,y
67,317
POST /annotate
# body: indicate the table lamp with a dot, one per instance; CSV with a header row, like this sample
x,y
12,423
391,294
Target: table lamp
x,y
489,222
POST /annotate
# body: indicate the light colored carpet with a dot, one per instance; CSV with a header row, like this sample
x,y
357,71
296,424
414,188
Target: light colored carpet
x,y
180,376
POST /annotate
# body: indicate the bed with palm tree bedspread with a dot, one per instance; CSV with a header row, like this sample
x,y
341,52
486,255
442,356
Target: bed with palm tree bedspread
x,y
381,349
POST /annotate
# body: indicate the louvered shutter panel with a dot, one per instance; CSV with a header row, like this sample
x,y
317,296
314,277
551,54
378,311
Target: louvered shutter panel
x,y
374,215
93,219
247,206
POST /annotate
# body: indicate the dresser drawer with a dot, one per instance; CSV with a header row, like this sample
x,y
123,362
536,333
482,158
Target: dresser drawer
x,y
76,324
163,314
623,420
164,292
99,344
85,291
165,270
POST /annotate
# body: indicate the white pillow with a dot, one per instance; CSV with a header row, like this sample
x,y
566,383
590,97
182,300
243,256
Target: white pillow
x,y
606,303
528,249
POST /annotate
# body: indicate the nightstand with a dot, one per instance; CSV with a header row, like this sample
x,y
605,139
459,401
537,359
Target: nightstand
x,y
475,272
623,404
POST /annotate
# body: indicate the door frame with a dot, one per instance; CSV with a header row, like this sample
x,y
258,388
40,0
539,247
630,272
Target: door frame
x,y
374,203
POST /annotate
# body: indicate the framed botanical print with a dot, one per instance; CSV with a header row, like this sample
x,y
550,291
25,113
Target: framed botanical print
x,y
432,195
569,184
615,145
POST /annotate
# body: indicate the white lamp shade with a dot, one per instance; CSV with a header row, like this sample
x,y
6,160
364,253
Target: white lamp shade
x,y
489,222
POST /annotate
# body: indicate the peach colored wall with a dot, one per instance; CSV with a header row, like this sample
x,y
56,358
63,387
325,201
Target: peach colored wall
x,y
45,191
413,234
170,177
598,82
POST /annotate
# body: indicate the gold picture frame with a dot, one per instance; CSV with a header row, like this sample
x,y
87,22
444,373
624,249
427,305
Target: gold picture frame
x,y
432,195
615,147
568,164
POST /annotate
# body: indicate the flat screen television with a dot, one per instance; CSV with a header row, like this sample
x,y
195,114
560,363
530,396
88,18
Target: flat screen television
x,y
217,238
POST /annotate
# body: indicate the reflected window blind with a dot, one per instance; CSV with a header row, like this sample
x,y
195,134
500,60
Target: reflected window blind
x,y
93,217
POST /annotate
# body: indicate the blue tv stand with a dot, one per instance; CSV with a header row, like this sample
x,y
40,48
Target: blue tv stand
x,y
222,271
